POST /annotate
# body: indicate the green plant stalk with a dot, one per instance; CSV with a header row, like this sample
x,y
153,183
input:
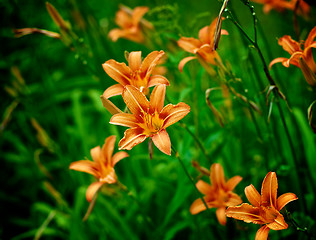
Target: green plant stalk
x,y
276,94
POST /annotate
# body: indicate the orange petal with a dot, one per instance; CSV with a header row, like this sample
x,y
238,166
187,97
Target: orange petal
x,y
92,189
232,183
84,166
118,157
132,137
118,71
204,35
162,141
189,44
124,119
198,206
138,13
123,19
204,187
289,44
308,53
150,62
277,60
157,98
173,113
253,195
156,80
310,38
95,153
262,233
246,213
184,61
114,90
116,33
135,60
285,199
233,199
278,223
269,190
136,101
220,214
217,176
208,54
108,148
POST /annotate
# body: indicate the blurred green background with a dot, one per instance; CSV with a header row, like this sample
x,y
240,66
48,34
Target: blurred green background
x,y
52,115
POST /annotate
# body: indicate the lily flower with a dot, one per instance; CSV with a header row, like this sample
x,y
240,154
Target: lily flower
x,y
138,73
102,166
281,5
202,47
218,195
130,24
265,209
294,48
148,118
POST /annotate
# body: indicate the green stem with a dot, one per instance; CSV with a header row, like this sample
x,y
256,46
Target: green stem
x,y
188,175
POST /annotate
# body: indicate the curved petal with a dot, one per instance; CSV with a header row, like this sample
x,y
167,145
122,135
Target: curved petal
x,y
114,90
232,183
92,189
108,148
136,101
118,71
135,60
246,213
277,60
95,153
118,157
184,61
198,206
278,223
138,13
173,113
162,141
310,38
123,19
220,214
124,119
253,195
217,176
262,233
132,137
116,33
157,98
204,187
189,44
233,200
208,54
84,166
156,80
204,35
150,63
269,190
289,44
285,199
308,53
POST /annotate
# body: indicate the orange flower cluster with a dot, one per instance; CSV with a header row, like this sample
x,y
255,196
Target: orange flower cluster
x,y
301,58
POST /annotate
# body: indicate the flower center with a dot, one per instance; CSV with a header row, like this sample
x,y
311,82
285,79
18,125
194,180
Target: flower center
x,y
108,175
139,81
152,123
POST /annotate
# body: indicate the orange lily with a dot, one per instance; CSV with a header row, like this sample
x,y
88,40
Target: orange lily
x,y
218,195
129,21
148,118
202,46
294,48
281,5
266,208
138,73
102,166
